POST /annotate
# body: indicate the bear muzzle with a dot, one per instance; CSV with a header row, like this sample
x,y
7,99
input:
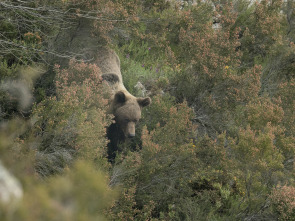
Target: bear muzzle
x,y
130,130
131,135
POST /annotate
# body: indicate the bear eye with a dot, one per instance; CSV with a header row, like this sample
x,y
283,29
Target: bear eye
x,y
126,120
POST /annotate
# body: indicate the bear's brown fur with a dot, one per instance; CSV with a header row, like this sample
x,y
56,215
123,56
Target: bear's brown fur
x,y
124,106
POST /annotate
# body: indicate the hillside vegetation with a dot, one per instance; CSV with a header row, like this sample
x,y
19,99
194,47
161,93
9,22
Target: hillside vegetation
x,y
217,142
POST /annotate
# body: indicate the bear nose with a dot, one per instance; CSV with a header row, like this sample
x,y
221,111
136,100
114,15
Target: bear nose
x,y
131,135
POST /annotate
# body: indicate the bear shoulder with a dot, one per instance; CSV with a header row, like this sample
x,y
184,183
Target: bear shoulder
x,y
108,61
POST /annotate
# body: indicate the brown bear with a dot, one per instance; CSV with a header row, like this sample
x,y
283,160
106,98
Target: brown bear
x,y
124,106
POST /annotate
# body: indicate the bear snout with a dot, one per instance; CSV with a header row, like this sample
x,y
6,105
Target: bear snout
x,y
130,130
131,135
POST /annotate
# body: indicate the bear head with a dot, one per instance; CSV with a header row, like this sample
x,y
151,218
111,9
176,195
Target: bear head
x,y
127,111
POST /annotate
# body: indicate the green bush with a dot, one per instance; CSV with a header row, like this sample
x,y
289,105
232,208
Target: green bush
x,y
81,193
74,122
282,199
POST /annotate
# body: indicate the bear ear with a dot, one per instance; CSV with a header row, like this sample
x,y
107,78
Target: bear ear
x,y
144,101
120,97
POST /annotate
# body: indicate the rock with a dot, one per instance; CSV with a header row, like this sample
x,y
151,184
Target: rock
x,y
141,89
10,189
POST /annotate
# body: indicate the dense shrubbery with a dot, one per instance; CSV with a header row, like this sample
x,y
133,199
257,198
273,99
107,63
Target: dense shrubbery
x,y
217,143
283,201
74,122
